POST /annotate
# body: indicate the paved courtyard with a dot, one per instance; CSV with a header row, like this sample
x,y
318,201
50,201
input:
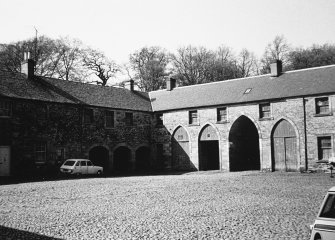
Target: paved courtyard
x,y
200,205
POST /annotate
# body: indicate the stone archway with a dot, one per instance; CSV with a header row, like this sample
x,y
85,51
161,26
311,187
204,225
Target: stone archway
x,y
100,157
142,159
209,156
180,150
284,147
122,159
244,151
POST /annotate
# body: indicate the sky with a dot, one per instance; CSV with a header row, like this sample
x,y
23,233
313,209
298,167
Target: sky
x,y
120,27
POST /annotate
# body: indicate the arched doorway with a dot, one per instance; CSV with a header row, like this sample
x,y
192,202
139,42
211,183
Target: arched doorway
x,y
284,147
122,159
180,150
209,157
100,157
142,159
244,145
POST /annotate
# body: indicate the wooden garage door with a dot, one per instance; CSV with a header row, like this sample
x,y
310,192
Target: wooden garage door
x,y
284,147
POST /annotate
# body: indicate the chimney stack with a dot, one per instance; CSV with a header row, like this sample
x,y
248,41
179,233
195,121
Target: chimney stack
x,y
276,68
28,65
129,85
170,84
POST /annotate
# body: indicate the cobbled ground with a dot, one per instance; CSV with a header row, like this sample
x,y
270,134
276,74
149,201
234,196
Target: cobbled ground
x,y
200,205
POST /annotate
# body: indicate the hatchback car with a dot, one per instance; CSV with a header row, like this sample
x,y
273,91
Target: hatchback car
x,y
80,167
324,225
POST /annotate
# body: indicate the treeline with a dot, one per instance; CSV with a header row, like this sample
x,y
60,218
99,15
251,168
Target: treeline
x,y
69,59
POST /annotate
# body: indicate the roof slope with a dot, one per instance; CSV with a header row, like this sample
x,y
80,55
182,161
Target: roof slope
x,y
55,90
305,82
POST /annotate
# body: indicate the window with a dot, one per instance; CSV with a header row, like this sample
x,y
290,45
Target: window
x,y
193,117
5,108
322,105
129,119
88,116
221,114
109,119
248,90
40,153
83,163
324,148
89,163
264,110
159,119
43,112
328,210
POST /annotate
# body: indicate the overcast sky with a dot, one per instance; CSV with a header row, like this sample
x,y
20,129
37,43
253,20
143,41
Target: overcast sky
x,y
119,27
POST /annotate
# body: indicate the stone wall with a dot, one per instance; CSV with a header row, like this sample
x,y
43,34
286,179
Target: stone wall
x,y
291,110
60,127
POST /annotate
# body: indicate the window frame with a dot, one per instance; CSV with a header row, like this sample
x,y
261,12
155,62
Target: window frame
x,y
129,118
88,114
263,113
191,119
219,117
6,106
37,152
109,119
321,148
318,107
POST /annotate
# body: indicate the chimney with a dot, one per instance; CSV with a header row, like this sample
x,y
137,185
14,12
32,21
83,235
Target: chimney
x,y
28,65
170,84
276,68
129,85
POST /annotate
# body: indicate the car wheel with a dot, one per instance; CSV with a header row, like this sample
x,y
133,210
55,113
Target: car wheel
x,y
99,173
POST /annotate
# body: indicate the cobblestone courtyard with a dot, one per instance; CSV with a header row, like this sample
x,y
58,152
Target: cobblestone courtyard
x,y
200,205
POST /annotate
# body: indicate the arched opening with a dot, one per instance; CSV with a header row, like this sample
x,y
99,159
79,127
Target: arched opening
x,y
122,159
143,159
209,157
100,157
180,150
284,147
244,145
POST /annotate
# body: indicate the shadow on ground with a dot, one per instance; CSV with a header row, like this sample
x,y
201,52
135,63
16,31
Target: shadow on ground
x,y
27,179
11,233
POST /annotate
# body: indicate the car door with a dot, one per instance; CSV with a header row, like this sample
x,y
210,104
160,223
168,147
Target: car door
x,y
83,167
90,168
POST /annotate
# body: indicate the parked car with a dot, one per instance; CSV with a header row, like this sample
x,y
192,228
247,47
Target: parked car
x,y
324,225
80,167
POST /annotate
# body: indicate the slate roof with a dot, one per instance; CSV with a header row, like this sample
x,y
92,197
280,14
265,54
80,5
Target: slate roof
x,y
55,90
312,81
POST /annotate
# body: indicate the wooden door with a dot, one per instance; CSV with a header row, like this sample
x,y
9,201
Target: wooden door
x,y
284,142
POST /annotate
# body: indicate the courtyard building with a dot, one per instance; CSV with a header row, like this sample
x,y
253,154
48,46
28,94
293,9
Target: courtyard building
x,y
282,121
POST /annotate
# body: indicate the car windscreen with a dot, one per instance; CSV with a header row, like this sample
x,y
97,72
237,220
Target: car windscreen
x,y
328,210
69,163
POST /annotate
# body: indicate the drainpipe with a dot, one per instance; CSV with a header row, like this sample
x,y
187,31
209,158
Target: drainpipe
x,y
305,132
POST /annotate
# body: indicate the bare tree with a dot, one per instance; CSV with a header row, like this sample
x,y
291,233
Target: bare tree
x,y
278,49
315,56
149,65
192,65
245,64
69,66
99,65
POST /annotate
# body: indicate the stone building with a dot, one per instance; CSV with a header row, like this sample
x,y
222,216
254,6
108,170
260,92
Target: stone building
x,y
44,121
282,121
